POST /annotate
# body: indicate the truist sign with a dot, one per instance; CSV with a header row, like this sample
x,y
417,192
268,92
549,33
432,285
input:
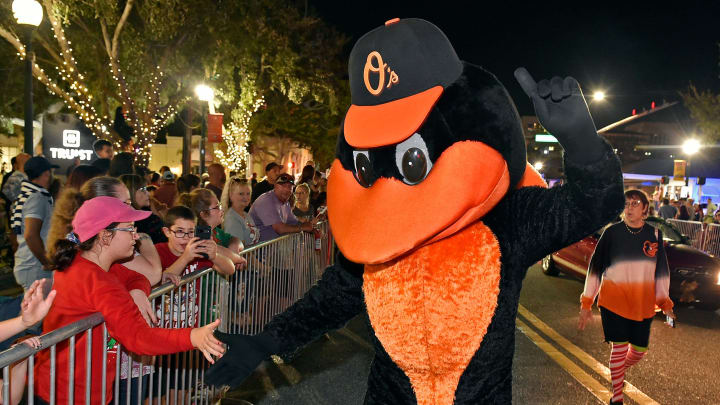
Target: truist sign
x,y
65,138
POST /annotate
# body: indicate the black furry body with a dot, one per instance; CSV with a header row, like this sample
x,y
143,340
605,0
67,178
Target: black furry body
x,y
529,223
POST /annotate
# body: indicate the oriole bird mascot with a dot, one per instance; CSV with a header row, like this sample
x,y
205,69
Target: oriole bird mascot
x,y
437,216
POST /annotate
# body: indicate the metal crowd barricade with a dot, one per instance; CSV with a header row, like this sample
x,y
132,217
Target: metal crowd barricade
x,y
692,229
279,272
705,237
712,239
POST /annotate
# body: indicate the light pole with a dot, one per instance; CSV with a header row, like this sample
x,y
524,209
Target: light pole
x,y
691,147
205,94
29,14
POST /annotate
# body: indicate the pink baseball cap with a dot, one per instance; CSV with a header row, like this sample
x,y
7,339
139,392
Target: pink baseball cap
x,y
99,212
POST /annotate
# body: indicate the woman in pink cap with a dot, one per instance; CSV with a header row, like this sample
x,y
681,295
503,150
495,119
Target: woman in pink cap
x,y
103,233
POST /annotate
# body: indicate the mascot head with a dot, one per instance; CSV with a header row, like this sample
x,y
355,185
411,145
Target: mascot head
x,y
429,145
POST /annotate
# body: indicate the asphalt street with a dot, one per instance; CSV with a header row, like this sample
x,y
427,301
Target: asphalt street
x,y
554,362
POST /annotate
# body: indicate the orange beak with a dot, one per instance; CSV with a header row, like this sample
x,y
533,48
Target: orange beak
x,y
390,218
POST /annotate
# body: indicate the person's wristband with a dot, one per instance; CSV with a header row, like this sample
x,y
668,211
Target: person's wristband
x,y
586,302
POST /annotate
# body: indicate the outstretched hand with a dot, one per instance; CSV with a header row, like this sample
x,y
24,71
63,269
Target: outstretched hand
x,y
561,109
244,354
34,307
202,338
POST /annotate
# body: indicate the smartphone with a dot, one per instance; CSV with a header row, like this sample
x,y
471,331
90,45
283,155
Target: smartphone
x,y
203,232
669,321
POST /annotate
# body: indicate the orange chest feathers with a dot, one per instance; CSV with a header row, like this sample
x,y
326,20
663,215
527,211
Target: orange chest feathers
x,y
431,309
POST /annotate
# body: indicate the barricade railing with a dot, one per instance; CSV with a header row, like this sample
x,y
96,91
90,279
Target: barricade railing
x,y
278,273
712,239
692,229
705,237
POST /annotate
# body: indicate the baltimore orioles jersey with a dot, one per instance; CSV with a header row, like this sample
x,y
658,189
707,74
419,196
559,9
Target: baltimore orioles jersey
x,y
630,270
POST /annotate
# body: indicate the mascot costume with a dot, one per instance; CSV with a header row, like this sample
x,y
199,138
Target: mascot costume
x,y
437,217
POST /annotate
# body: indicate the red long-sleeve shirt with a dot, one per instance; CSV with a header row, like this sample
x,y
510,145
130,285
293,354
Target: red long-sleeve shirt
x,y
83,289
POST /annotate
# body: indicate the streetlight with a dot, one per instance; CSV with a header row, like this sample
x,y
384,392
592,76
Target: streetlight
x,y
206,94
29,14
538,165
599,96
691,147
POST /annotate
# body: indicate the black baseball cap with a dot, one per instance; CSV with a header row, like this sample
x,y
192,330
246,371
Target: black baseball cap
x,y
36,166
271,166
285,178
397,74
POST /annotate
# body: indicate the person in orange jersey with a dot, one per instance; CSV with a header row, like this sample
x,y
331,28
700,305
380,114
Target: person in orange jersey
x,y
630,271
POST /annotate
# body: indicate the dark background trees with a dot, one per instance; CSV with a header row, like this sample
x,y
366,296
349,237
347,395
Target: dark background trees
x,y
148,56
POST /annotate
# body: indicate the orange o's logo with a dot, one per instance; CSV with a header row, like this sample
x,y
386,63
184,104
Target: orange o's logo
x,y
650,249
375,64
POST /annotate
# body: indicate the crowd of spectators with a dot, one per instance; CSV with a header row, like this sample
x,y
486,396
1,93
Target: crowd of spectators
x,y
687,209
102,238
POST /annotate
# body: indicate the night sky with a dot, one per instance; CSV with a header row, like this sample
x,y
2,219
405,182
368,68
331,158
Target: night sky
x,y
638,52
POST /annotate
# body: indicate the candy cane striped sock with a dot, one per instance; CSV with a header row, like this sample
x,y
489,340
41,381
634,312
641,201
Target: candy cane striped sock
x,y
618,355
634,355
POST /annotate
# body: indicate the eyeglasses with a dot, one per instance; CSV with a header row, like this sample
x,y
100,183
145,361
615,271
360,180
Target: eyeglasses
x,y
132,229
633,203
182,234
218,207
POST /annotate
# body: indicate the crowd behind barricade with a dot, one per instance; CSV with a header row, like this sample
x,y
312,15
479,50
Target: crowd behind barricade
x,y
102,239
684,209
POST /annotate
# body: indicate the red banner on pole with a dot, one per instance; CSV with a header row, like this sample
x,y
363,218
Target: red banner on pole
x,y
214,127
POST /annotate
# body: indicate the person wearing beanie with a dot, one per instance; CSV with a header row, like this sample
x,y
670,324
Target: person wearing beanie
x,y
90,280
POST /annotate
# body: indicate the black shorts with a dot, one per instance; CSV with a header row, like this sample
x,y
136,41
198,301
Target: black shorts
x,y
619,329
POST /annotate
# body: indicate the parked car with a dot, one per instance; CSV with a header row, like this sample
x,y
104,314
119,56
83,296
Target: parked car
x,y
694,274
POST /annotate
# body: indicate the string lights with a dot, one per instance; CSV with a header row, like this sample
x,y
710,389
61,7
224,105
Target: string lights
x,y
236,138
146,122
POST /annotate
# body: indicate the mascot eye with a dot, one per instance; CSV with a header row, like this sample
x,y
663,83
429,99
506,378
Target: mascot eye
x,y
363,168
412,159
